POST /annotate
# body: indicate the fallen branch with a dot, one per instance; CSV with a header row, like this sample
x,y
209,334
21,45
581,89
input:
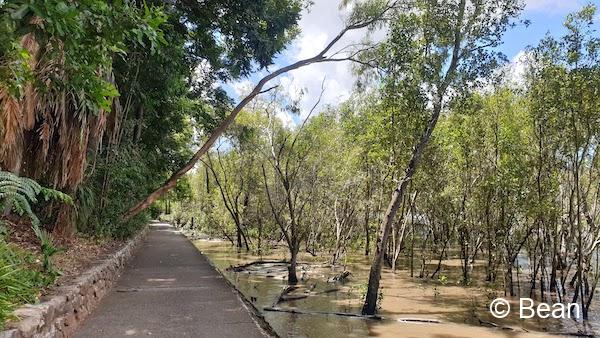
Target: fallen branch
x,y
243,267
418,320
287,298
302,312
284,292
342,277
492,324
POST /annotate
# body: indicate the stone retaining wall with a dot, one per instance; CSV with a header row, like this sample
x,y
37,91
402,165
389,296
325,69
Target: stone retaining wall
x,y
59,314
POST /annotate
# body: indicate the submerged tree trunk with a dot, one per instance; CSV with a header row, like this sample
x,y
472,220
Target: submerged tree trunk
x,y
370,305
292,277
238,237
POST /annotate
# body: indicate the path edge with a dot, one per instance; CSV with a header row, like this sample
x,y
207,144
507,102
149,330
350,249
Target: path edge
x,y
60,313
255,314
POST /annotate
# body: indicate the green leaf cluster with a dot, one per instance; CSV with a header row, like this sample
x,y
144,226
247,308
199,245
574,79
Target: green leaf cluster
x,y
76,42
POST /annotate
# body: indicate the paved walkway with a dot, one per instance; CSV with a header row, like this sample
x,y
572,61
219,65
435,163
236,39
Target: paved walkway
x,y
170,290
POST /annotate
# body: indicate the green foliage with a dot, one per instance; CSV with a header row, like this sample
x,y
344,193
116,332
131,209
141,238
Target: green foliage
x,y
80,38
127,177
48,250
19,194
20,280
235,36
163,119
443,279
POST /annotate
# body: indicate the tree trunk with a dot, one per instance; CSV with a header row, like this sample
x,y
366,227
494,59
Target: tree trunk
x,y
441,257
412,248
260,230
402,231
370,305
367,237
239,237
64,226
292,277
509,280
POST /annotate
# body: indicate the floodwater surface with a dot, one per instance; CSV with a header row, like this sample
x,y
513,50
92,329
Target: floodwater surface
x,y
410,306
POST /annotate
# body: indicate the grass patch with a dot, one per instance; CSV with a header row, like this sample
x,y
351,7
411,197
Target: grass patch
x,y
21,279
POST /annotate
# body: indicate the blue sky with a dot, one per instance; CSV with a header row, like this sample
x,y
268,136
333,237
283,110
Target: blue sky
x,y
325,19
546,16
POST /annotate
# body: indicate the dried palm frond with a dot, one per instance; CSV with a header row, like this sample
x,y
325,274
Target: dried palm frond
x,y
45,133
29,107
30,94
51,130
11,127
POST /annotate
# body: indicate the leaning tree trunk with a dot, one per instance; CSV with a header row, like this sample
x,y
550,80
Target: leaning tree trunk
x,y
370,305
257,90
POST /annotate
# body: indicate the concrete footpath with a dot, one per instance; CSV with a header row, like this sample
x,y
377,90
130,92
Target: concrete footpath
x,y
170,290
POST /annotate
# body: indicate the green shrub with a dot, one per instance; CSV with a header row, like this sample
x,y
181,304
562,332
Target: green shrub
x,y
110,191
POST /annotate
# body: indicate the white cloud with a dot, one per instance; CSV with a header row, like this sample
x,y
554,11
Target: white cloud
x,y
291,87
319,25
518,67
285,117
513,74
242,87
337,86
309,45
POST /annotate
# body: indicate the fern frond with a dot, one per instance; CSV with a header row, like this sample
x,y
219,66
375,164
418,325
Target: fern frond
x,y
55,195
19,194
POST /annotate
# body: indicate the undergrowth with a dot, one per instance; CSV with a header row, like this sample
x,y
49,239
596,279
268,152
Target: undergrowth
x,y
22,275
21,279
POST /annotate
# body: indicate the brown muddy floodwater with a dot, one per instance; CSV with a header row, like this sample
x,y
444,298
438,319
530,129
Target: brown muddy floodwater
x,y
411,307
